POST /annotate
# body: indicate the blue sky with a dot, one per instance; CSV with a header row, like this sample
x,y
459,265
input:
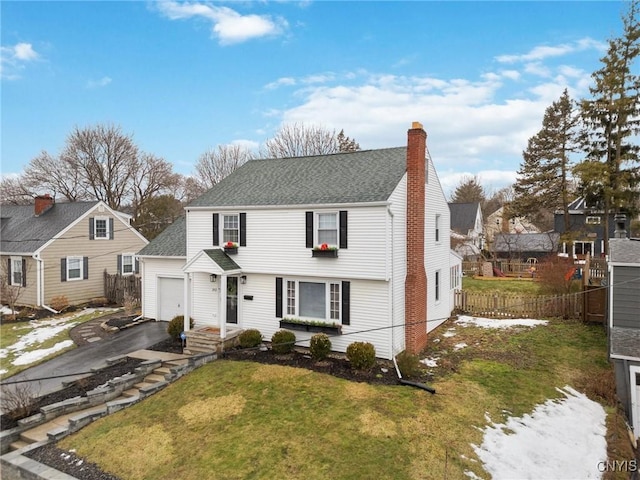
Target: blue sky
x,y
183,77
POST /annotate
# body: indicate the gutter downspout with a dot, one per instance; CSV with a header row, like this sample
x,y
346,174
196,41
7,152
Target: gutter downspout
x,y
393,317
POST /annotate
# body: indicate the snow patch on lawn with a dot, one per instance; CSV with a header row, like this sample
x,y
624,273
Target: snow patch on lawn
x,y
562,438
449,333
430,362
4,310
459,346
466,320
35,355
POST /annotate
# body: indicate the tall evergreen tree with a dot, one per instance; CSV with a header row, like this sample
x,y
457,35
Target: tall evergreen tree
x,y
543,182
469,190
610,174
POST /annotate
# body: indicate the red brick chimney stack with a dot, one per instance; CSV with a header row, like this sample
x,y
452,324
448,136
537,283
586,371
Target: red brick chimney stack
x,y
416,279
43,203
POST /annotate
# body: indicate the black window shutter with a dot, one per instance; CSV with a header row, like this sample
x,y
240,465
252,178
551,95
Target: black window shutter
x,y
216,235
9,270
278,297
24,272
137,270
91,229
309,229
85,267
111,233
243,229
343,229
63,269
119,264
346,303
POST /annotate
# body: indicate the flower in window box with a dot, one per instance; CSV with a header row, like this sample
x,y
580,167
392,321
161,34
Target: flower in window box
x,y
231,245
325,247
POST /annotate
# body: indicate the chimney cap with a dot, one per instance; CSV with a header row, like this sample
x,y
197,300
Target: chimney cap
x,y
416,125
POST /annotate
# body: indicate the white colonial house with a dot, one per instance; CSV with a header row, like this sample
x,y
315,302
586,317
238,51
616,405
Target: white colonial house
x,y
353,243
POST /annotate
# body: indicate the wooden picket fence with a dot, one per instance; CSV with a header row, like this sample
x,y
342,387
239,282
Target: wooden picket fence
x,y
568,306
116,286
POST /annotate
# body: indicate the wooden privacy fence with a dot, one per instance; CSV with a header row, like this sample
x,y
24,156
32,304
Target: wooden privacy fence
x,y
116,286
568,306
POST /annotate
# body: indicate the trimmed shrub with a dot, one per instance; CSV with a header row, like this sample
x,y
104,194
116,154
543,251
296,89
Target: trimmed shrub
x,y
362,355
250,338
319,346
408,364
176,326
283,341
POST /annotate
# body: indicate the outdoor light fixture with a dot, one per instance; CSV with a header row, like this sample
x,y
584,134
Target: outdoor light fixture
x,y
212,277
243,279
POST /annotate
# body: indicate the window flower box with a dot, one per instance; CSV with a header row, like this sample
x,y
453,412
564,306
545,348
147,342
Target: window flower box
x,y
310,326
230,248
324,251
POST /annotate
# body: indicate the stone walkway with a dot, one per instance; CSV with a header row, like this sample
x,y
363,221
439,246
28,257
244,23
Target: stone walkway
x,y
95,330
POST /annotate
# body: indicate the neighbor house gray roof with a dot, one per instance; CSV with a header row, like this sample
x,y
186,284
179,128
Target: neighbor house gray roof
x,y
526,242
355,177
624,250
23,232
172,241
463,216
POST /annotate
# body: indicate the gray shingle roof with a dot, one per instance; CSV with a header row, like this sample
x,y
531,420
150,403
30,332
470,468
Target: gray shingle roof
x,y
23,232
624,250
172,242
463,216
526,242
356,177
223,260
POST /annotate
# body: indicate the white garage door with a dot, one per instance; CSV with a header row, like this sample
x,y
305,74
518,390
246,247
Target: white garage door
x,y
170,298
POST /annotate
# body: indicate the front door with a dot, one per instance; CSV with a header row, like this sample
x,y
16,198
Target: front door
x,y
232,299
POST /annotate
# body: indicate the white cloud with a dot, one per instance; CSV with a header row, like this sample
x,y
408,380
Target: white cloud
x,y
228,25
284,81
14,58
248,144
542,52
103,82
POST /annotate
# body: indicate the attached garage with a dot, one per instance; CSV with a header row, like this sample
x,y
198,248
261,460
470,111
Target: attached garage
x,y
170,297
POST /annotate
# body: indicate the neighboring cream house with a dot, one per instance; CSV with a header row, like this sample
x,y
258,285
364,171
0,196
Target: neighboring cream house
x,y
62,249
357,242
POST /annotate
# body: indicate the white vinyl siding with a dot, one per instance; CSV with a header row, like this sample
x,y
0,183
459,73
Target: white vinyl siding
x,y
276,243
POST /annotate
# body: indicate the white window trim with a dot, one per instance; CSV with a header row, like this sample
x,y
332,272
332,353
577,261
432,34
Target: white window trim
x,y
81,277
222,230
327,291
17,260
593,220
95,228
133,264
316,227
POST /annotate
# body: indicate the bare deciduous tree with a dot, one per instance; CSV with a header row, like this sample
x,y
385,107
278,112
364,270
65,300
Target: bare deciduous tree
x,y
14,191
216,163
106,160
54,175
153,176
299,140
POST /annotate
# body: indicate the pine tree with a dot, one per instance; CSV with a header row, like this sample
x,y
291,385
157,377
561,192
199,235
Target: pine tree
x,y
346,144
543,182
469,190
610,173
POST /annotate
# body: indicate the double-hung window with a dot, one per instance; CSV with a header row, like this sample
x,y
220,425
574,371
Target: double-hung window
x,y
314,300
74,268
230,228
127,264
437,228
101,228
327,231
16,271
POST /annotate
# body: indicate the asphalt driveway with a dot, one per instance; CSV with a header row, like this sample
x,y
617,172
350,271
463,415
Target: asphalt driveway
x,y
88,356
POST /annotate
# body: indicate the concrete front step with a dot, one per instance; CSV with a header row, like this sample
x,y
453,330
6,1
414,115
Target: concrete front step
x,y
132,392
142,385
153,378
18,444
39,434
196,350
162,371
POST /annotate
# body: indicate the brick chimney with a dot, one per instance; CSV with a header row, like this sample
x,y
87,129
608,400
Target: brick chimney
x,y
415,286
43,203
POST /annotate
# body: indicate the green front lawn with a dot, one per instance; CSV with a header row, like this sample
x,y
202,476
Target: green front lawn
x,y
243,420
